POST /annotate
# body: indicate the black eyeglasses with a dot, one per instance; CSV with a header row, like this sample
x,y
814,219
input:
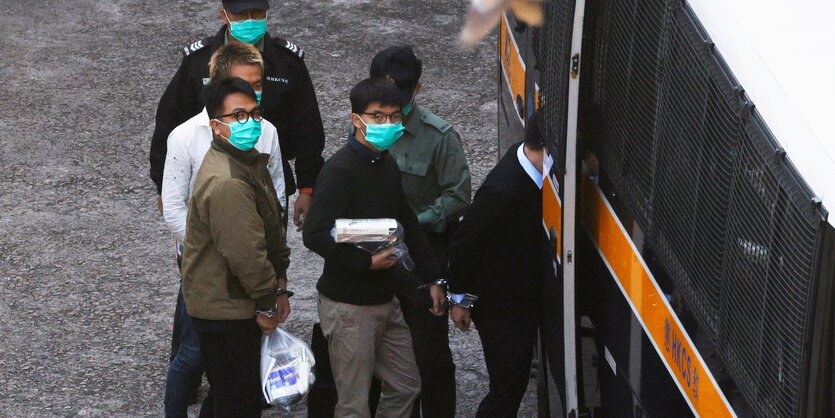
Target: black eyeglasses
x,y
380,117
242,116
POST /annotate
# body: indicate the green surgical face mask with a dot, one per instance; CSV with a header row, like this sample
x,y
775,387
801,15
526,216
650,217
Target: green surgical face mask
x,y
249,31
258,96
383,135
243,136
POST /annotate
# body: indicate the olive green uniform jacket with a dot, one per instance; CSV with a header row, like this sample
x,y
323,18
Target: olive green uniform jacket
x,y
435,175
235,249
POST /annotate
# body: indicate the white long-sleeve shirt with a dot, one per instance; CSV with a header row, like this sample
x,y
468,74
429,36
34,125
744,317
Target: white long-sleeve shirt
x,y
187,145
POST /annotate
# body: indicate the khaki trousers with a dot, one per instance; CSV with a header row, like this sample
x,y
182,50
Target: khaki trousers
x,y
366,341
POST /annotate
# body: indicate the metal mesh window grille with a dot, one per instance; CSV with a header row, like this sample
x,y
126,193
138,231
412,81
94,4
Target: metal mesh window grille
x,y
555,50
727,217
633,41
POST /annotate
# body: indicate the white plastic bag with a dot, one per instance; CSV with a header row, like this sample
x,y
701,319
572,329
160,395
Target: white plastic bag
x,y
286,369
375,236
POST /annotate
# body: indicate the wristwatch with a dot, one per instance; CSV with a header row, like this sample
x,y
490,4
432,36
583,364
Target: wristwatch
x,y
281,291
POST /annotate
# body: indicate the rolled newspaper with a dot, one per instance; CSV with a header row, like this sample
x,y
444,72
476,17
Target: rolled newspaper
x,y
364,230
374,236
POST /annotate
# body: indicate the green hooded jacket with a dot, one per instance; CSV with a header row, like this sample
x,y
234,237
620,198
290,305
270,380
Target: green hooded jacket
x,y
235,248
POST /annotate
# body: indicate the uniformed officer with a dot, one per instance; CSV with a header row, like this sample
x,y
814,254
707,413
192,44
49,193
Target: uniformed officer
x,y
287,99
436,180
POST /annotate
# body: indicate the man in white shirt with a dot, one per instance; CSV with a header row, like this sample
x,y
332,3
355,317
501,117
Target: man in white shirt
x,y
187,145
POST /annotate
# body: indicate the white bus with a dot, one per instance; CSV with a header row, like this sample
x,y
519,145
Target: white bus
x,y
694,149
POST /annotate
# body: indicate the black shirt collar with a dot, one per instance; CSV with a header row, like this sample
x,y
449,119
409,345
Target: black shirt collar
x,y
364,152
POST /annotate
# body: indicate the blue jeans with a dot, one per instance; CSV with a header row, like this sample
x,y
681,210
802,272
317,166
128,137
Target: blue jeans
x,y
185,371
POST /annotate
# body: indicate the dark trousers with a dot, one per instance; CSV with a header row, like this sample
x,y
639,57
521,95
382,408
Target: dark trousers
x,y
176,331
232,358
508,345
430,339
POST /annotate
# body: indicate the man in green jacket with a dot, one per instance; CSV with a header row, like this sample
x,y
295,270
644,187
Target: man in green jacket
x,y
235,254
436,181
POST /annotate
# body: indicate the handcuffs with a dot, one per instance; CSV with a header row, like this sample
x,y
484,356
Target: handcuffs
x,y
272,311
464,300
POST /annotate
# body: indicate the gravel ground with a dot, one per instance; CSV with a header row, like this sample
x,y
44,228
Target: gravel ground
x,y
88,274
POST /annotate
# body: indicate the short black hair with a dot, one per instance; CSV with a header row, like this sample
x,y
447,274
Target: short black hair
x,y
374,90
534,139
215,93
400,65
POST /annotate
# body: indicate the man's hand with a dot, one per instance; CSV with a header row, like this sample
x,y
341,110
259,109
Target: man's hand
x,y
381,261
159,204
282,308
300,210
438,295
460,317
267,325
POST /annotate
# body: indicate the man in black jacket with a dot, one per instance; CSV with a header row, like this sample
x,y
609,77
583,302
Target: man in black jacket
x,y
288,99
498,254
361,319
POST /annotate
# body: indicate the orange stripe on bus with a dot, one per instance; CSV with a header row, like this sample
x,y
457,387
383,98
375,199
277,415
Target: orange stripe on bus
x,y
512,65
552,211
657,317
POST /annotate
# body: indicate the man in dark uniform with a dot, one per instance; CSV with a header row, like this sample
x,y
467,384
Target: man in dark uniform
x,y
288,99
